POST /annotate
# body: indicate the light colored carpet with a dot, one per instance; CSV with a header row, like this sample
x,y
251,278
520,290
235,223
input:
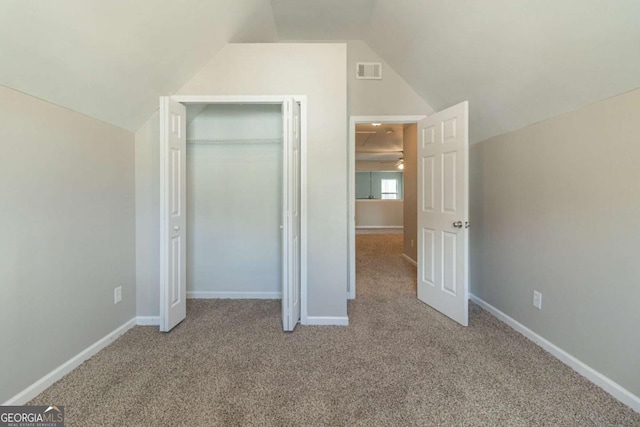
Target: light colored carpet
x,y
378,230
380,269
399,363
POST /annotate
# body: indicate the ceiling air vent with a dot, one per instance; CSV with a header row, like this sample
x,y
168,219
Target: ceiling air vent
x,y
369,70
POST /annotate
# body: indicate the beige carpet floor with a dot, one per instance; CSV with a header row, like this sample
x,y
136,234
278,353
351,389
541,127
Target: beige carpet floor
x,y
399,363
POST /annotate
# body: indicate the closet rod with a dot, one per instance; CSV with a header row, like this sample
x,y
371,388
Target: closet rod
x,y
234,141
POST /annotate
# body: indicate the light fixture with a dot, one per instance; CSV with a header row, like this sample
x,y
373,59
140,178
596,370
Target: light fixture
x,y
389,131
376,124
401,165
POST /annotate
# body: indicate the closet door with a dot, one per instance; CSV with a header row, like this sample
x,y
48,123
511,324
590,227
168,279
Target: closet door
x,y
291,215
173,303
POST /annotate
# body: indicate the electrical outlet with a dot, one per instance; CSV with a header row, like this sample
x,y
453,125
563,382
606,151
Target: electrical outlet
x,y
117,295
537,300
411,242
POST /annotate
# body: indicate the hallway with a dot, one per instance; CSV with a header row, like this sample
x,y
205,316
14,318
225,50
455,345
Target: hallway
x,y
380,267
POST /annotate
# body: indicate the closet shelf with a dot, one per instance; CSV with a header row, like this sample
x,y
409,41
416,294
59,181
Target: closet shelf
x,y
234,141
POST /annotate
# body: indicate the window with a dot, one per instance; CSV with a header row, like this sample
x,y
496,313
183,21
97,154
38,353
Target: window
x,y
389,189
369,185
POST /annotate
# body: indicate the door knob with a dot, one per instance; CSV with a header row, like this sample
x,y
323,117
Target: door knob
x,y
457,224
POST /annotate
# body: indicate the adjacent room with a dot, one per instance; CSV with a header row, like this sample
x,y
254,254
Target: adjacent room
x,y
384,211
300,212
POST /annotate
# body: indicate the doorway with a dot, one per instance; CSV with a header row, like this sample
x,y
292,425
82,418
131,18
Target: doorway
x,y
377,158
385,153
442,208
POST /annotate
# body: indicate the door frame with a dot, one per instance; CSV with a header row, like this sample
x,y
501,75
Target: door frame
x,y
351,188
275,99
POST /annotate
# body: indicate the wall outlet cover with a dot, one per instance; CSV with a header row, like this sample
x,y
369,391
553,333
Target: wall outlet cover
x,y
537,300
117,295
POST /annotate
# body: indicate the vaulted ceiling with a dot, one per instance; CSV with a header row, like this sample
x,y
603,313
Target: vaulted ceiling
x,y
111,59
517,61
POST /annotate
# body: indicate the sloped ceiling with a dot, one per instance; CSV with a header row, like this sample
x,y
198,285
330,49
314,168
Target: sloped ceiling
x,y
111,59
516,61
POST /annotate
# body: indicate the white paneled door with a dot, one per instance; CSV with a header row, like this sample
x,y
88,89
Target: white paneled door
x,y
291,259
443,212
173,293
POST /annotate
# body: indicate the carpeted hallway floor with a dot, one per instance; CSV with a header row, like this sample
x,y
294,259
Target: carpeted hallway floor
x,y
399,363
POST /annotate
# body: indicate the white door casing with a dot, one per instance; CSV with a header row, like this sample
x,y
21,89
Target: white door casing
x,y
173,292
443,212
291,256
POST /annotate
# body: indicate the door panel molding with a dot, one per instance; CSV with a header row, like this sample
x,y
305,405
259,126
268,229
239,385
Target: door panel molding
x,y
443,252
173,277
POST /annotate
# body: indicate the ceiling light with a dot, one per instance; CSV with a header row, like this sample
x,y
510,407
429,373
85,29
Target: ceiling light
x,y
376,124
389,131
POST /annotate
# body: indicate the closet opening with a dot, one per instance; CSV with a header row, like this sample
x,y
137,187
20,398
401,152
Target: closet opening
x,y
232,203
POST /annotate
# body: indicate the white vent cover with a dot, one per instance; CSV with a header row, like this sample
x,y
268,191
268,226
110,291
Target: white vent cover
x,y
369,70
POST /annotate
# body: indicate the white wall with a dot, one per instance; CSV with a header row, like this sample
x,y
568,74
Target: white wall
x,y
389,96
555,207
379,213
148,218
314,70
234,202
67,196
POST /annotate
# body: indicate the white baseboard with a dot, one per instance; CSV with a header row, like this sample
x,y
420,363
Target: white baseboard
x,y
148,320
327,321
398,227
47,381
608,385
408,258
233,295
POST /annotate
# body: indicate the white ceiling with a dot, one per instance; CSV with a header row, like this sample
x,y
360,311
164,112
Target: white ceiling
x,y
111,59
377,143
322,19
517,61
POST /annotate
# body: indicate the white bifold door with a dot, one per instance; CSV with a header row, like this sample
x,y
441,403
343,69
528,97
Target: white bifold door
x,y
173,306
173,218
443,212
291,280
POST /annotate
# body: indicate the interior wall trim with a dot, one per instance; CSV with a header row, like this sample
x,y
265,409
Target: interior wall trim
x,y
58,373
233,295
148,320
327,321
602,381
411,260
397,227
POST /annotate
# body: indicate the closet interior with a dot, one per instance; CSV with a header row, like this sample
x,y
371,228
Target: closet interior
x,y
234,193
